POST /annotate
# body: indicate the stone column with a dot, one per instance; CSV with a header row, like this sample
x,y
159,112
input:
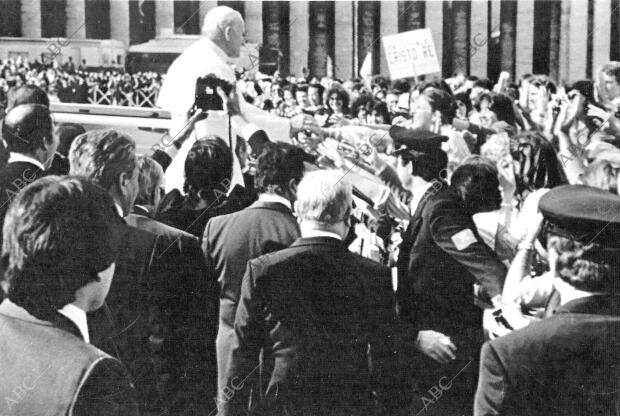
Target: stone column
x,y
76,19
299,33
600,34
164,17
478,38
434,21
388,26
344,39
31,18
524,55
119,20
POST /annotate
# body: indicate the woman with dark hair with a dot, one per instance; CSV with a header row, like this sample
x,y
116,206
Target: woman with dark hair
x,y
208,175
535,169
536,164
476,180
361,108
501,106
380,114
337,101
463,105
578,123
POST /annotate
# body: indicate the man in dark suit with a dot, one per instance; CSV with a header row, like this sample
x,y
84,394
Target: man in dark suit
x,y
568,364
268,225
27,131
197,334
153,313
52,279
441,258
316,309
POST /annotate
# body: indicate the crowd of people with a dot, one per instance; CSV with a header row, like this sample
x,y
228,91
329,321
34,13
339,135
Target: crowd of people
x,y
71,83
436,246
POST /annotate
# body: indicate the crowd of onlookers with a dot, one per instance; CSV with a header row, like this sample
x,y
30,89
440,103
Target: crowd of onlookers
x,y
496,202
78,83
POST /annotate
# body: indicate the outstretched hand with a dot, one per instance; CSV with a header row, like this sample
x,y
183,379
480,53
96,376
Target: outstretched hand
x,y
436,346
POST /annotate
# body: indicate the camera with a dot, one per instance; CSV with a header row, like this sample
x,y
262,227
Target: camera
x,y
206,96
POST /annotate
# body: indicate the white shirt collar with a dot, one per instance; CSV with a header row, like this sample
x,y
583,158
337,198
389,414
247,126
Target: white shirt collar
x,y
417,195
275,198
319,233
78,317
20,157
119,209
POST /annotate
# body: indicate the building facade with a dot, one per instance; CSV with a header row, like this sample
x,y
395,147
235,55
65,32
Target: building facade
x,y
567,39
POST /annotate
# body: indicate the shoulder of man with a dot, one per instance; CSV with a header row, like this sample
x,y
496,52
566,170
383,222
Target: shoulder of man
x,y
106,389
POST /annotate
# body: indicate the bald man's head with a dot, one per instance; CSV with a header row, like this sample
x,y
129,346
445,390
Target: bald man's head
x,y
225,27
27,128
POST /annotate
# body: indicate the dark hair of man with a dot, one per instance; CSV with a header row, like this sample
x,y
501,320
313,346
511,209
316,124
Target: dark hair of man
x,y
588,267
612,69
476,181
208,168
427,166
277,165
26,94
102,155
26,127
441,101
501,105
67,132
402,86
302,88
539,166
59,232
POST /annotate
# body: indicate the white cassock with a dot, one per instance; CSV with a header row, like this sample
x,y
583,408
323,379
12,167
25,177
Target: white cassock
x,y
177,96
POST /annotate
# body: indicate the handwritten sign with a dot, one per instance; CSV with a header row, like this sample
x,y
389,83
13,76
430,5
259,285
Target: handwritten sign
x,y
410,54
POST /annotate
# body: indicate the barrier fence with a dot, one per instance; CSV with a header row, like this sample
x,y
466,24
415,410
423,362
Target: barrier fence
x,y
137,98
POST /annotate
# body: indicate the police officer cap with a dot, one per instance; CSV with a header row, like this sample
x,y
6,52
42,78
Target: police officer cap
x,y
584,214
416,141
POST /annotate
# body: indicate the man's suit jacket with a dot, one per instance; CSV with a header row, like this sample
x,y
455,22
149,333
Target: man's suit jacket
x,y
190,312
135,323
228,243
13,178
314,308
440,259
47,369
568,364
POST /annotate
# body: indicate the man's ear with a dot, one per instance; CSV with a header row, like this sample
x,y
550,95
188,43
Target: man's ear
x,y
226,32
292,186
123,180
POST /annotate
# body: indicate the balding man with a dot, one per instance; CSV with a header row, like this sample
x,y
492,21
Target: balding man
x,y
223,35
316,309
27,132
